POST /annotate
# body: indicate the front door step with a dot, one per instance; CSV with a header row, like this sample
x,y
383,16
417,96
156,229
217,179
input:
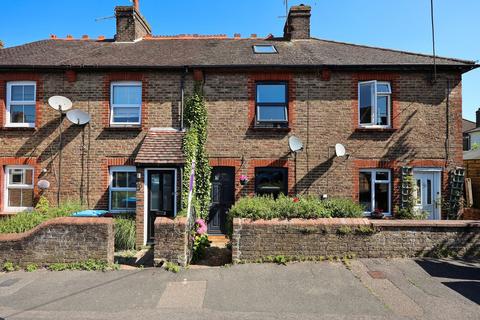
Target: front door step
x,y
215,257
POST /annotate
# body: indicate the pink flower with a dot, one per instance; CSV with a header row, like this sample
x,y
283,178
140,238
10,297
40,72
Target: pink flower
x,y
243,177
296,199
201,226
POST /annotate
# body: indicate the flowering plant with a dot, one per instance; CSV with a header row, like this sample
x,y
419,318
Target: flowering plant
x,y
200,239
243,179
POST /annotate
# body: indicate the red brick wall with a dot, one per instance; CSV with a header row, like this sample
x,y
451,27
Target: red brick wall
x,y
323,111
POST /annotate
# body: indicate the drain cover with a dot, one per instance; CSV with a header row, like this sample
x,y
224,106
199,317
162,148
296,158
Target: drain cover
x,y
9,282
377,274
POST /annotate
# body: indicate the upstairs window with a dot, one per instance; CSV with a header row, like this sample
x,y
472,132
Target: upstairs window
x,y
374,102
271,104
271,181
19,183
126,103
21,98
123,188
264,49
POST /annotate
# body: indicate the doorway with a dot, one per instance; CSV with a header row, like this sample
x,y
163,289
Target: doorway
x,y
428,192
161,186
223,197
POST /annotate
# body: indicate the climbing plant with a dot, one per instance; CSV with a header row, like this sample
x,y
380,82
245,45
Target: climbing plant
x,y
194,146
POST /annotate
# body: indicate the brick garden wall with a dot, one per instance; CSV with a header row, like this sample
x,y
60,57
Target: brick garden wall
x,y
60,240
253,240
172,241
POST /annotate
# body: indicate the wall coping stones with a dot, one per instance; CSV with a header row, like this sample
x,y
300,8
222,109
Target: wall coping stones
x,y
362,222
55,221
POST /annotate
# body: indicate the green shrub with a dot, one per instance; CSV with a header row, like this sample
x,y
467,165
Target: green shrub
x,y
170,266
125,233
24,221
344,230
9,267
31,267
410,214
88,265
300,207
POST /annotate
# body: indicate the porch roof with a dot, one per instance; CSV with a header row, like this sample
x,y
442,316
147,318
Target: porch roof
x,y
161,146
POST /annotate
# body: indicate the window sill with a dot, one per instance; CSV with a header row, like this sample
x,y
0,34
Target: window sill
x,y
136,127
267,129
13,128
375,129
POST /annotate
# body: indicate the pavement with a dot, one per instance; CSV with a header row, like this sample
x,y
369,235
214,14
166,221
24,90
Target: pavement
x,y
358,289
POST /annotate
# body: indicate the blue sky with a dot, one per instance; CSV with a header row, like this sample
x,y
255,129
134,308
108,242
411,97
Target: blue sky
x,y
400,24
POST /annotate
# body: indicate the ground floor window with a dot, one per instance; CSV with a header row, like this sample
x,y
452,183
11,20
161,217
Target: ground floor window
x,y
123,188
19,185
271,181
374,190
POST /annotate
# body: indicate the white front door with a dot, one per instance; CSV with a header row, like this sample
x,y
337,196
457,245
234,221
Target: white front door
x,y
427,193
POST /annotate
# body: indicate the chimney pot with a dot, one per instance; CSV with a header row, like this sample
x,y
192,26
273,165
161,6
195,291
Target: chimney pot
x,y
297,25
85,37
478,118
136,5
237,35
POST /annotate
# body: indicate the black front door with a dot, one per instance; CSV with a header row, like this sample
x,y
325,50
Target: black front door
x,y
161,197
223,196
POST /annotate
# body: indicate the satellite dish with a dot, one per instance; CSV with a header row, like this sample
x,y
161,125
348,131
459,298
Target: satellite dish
x,y
340,150
43,184
60,103
78,117
295,144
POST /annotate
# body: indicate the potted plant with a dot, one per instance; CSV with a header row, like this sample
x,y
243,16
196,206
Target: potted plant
x,y
243,180
377,214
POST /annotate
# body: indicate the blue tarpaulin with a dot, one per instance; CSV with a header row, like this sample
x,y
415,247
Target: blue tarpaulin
x,y
90,213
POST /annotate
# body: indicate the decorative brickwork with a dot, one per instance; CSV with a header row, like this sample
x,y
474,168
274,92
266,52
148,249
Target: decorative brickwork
x,y
60,240
253,240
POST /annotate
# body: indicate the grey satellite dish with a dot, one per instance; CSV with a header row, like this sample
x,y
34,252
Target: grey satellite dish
x,y
60,103
78,117
295,144
340,150
43,184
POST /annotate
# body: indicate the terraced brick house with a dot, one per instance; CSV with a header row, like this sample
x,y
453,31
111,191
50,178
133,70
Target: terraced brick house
x,y
384,106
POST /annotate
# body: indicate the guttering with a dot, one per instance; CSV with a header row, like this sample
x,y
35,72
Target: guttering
x,y
413,67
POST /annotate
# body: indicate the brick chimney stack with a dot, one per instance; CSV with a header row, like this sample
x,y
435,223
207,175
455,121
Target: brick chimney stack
x,y
297,25
478,118
131,25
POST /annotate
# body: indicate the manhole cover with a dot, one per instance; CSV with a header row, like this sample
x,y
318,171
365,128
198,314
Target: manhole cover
x,y
9,282
377,274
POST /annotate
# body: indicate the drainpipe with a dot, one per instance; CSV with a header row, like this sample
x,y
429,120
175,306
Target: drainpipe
x,y
182,97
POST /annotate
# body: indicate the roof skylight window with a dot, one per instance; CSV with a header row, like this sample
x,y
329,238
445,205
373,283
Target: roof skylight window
x,y
262,49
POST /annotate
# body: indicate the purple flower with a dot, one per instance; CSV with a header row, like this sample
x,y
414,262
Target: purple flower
x,y
243,178
201,226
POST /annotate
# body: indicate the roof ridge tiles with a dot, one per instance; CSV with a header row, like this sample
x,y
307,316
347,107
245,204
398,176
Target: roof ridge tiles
x,y
392,50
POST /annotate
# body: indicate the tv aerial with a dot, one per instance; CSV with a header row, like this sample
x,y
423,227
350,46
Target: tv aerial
x,y
60,103
340,150
295,144
78,117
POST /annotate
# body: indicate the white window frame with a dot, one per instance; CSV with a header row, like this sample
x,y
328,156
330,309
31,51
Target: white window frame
x,y
113,106
375,96
113,169
16,186
374,181
10,84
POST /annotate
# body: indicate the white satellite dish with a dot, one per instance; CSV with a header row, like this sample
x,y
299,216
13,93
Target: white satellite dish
x,y
43,184
60,103
295,144
78,117
340,150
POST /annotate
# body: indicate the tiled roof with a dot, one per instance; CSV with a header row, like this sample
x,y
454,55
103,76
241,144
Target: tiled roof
x,y
161,147
468,125
210,51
